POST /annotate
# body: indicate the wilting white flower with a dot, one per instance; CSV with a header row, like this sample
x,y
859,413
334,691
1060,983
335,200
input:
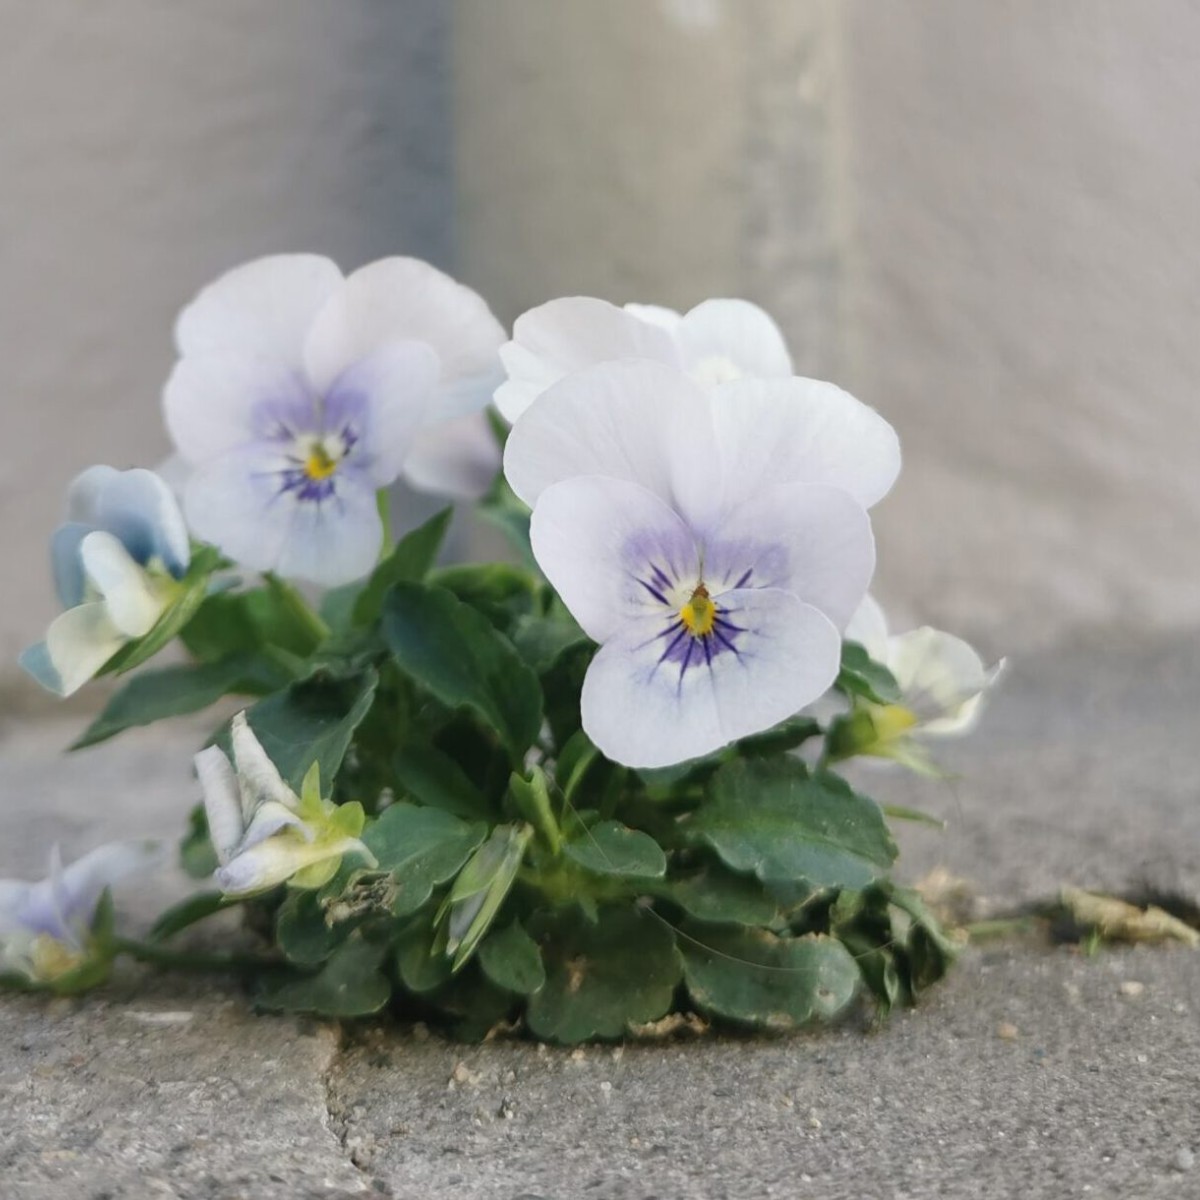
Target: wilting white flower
x,y
942,682
298,393
713,540
45,927
263,833
117,561
716,342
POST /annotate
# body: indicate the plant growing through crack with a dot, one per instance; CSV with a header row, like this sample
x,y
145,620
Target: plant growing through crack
x,y
580,790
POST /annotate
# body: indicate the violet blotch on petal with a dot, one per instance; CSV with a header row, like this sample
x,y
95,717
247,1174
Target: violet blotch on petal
x,y
118,560
715,568
299,393
46,927
716,342
263,833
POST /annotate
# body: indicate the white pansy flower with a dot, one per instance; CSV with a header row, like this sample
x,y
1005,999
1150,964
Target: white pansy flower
x,y
716,342
942,682
712,540
45,927
117,562
299,392
263,833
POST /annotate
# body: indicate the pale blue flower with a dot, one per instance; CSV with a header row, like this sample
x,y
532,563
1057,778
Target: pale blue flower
x,y
45,927
714,541
117,563
263,833
299,393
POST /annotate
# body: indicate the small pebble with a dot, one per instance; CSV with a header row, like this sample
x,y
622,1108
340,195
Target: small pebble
x,y
1007,1031
1131,987
1184,1160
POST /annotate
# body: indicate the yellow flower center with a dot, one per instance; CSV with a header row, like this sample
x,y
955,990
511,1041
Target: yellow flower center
x,y
52,959
699,613
320,464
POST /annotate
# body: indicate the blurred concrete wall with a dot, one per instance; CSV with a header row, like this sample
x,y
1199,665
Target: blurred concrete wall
x,y
144,149
982,216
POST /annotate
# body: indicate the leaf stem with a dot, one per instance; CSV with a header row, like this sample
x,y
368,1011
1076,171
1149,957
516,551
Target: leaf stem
x,y
383,504
184,960
299,607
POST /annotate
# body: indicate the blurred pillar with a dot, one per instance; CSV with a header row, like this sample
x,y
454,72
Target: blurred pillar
x,y
654,150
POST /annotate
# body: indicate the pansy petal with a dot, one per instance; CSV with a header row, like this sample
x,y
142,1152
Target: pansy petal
x,y
868,627
85,490
400,299
14,895
644,709
809,539
35,662
133,603
334,541
393,386
458,458
641,421
276,860
238,503
656,314
802,431
723,339
222,800
78,886
262,309
66,563
563,335
258,777
268,820
215,402
941,679
79,642
612,550
139,508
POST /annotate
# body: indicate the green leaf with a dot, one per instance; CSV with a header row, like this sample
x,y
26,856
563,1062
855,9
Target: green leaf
x,y
756,978
542,641
193,587
409,562
928,952
502,592
302,931
435,779
603,977
611,848
900,812
187,912
174,691
773,818
862,676
510,958
480,889
312,722
421,960
531,799
222,626
456,654
718,896
421,847
787,735
349,984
